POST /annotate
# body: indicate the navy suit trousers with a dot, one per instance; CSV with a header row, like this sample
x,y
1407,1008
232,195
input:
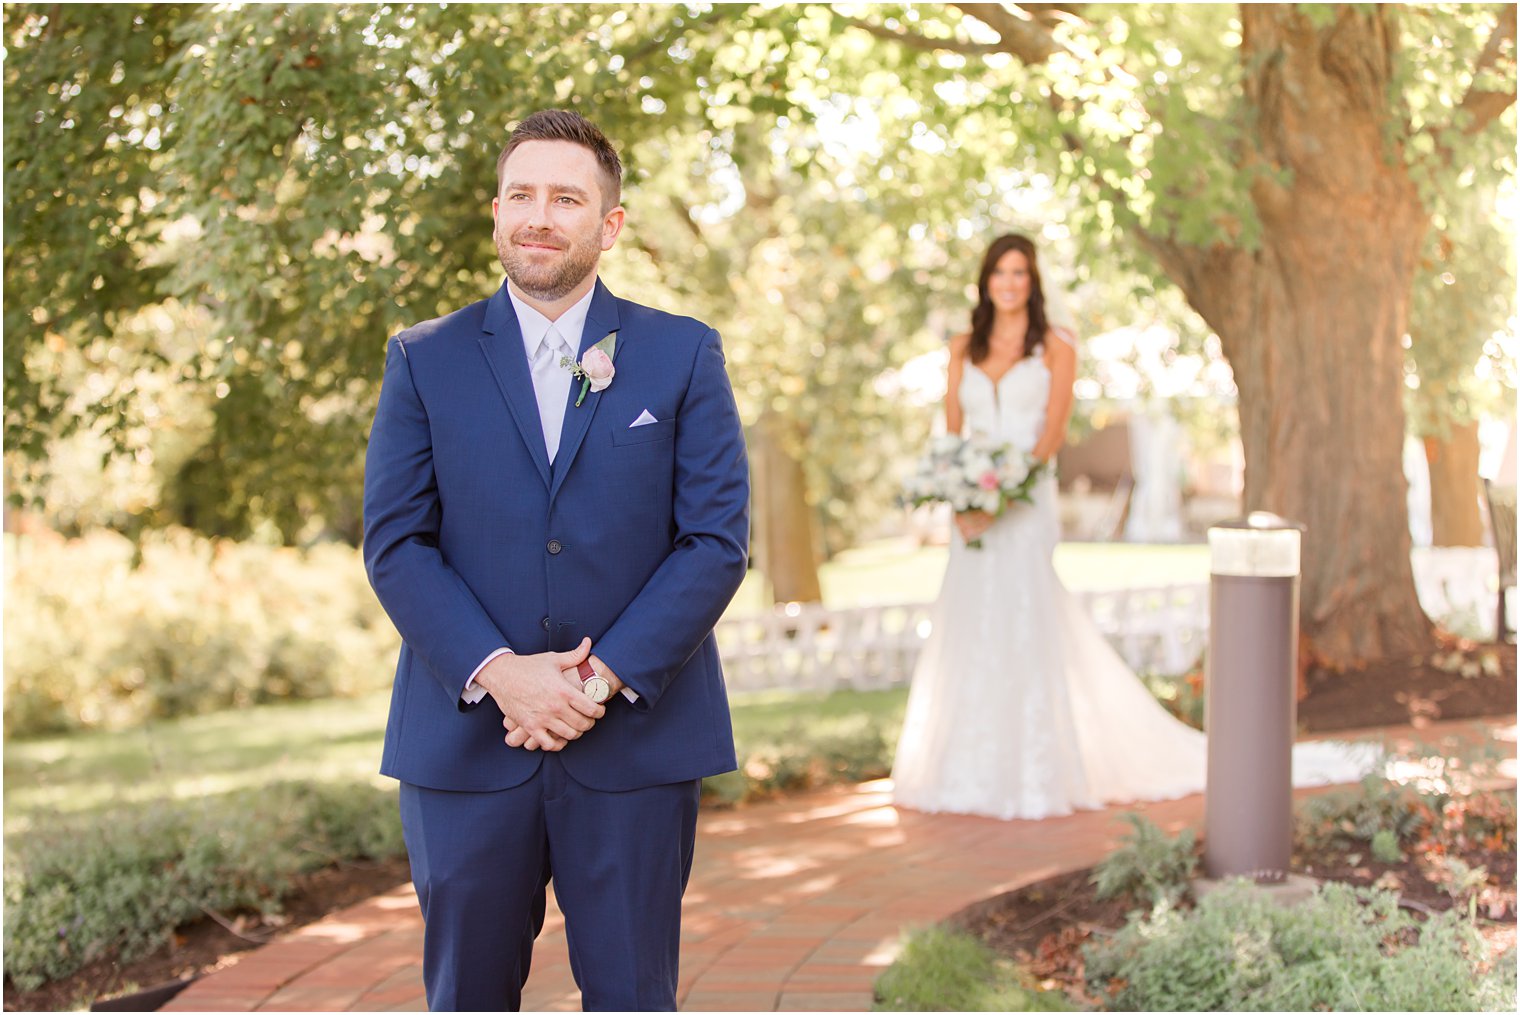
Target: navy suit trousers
x,y
619,862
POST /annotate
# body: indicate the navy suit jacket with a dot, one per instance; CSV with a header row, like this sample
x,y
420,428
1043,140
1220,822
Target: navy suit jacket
x,y
636,537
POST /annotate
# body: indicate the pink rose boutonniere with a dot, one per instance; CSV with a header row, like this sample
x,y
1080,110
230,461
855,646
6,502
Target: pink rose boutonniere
x,y
595,369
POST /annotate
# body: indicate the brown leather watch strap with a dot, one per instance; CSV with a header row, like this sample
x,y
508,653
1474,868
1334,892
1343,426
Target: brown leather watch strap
x,y
585,670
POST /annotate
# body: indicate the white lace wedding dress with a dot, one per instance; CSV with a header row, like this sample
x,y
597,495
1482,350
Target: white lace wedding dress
x,y
1019,707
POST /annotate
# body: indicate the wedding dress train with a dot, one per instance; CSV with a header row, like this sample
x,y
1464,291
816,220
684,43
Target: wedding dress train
x,y
1019,706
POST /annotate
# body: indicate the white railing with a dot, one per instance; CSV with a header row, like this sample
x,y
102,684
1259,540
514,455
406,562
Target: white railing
x,y
1458,584
804,646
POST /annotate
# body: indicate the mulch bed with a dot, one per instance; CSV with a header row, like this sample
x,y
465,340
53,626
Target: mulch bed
x,y
1044,926
1395,692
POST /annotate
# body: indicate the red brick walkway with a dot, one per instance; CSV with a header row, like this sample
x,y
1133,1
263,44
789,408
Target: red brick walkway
x,y
793,905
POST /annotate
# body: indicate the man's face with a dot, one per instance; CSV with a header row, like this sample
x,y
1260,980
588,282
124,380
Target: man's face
x,y
550,228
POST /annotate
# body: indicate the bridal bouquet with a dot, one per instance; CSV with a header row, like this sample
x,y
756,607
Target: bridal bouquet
x,y
972,474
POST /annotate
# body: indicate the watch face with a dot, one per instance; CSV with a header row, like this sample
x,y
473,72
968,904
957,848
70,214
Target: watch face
x,y
597,688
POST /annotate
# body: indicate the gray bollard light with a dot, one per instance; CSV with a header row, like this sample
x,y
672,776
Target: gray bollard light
x,y
1250,708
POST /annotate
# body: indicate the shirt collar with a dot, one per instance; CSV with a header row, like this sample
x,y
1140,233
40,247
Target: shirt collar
x,y
534,324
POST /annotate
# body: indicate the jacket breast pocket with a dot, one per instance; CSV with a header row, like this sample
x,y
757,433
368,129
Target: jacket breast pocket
x,y
663,430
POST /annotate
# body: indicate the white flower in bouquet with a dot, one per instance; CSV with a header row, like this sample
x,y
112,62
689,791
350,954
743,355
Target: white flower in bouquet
x,y
972,473
945,446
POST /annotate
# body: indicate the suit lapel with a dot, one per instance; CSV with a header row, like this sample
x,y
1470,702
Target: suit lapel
x,y
501,342
601,319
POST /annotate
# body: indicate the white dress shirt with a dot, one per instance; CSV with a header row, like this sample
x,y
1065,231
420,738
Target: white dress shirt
x,y
545,342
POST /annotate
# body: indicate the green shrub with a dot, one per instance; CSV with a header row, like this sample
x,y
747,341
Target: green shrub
x,y
1148,867
794,740
1385,847
99,639
118,883
1345,949
804,755
1393,820
1355,815
943,970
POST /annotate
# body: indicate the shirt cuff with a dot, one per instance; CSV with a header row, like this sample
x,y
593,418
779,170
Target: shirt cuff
x,y
473,693
630,694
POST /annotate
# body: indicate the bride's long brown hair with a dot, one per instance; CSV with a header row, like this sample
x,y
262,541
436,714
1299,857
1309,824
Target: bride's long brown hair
x,y
981,317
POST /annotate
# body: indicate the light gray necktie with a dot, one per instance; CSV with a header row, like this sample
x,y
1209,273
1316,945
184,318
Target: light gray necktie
x,y
551,384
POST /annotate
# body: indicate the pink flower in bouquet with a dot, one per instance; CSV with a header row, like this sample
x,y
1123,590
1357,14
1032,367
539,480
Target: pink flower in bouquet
x,y
989,481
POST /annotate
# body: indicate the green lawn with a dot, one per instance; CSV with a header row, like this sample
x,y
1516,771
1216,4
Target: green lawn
x,y
339,741
197,756
891,571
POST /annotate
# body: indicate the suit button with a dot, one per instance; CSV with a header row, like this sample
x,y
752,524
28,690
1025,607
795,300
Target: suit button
x,y
545,623
555,546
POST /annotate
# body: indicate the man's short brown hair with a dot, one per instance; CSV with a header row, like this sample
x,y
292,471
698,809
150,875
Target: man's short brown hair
x,y
564,125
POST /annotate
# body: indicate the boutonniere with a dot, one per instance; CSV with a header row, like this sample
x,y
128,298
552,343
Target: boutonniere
x,y
595,369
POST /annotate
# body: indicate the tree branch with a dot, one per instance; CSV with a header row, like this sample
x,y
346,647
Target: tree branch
x,y
688,219
1025,34
1485,106
1172,256
1021,35
1481,107
1051,13
915,41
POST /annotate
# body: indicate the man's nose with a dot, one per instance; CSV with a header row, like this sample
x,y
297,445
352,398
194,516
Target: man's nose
x,y
539,215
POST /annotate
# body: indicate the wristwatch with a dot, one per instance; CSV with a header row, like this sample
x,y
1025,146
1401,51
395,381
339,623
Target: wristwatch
x,y
593,684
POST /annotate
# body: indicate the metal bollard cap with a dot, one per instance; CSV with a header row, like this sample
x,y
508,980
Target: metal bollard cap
x,y
1260,545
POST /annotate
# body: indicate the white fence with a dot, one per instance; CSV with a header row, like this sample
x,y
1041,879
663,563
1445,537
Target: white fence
x,y
1459,585
804,646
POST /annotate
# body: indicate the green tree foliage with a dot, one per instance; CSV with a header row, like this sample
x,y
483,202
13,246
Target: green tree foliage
x,y
311,177
1279,164
816,179
84,146
1462,301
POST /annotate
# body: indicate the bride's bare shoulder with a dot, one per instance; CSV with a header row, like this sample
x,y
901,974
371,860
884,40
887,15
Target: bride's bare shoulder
x,y
959,344
1065,346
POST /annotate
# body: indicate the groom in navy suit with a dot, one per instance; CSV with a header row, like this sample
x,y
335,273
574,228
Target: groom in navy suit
x,y
556,514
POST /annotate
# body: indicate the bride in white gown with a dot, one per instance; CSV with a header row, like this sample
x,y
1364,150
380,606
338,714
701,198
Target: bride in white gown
x,y
1019,707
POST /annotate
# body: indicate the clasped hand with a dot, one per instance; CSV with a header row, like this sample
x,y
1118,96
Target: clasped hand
x,y
973,524
540,697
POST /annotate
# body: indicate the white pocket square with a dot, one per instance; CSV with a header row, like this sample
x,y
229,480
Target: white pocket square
x,y
644,420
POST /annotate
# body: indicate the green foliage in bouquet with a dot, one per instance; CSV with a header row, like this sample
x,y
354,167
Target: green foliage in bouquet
x,y
972,473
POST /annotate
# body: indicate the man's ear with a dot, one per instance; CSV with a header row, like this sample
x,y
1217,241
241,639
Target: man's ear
x,y
612,226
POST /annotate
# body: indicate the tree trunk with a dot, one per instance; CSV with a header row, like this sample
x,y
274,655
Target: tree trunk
x,y
1454,517
783,537
1312,321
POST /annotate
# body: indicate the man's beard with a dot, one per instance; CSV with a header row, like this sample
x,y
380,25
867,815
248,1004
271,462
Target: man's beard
x,y
547,281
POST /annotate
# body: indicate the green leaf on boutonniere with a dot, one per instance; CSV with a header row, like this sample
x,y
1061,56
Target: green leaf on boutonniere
x,y
605,372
